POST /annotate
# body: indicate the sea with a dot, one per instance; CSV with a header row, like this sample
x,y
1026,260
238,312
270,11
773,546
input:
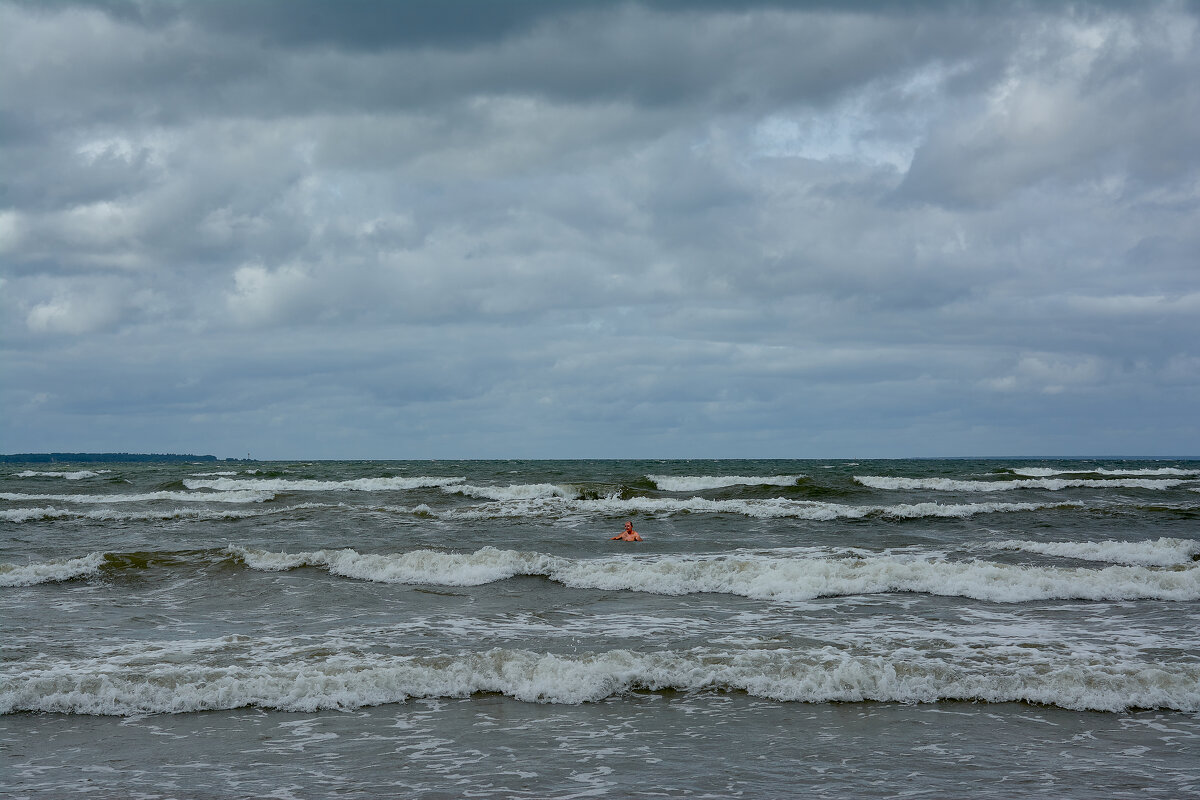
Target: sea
x,y
442,629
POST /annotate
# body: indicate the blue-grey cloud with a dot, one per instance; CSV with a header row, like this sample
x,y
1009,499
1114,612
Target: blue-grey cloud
x,y
687,228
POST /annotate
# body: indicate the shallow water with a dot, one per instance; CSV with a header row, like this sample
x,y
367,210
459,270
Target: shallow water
x,y
448,629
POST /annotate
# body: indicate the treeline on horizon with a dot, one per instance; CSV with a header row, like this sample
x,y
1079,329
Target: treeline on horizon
x,y
50,458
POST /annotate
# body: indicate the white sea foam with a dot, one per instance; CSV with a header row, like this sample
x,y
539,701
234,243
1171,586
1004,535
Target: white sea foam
x,y
71,476
698,483
1044,472
1161,552
1051,484
178,497
414,567
153,682
213,474
521,491
300,485
762,508
49,571
113,515
758,577
805,579
919,510
765,508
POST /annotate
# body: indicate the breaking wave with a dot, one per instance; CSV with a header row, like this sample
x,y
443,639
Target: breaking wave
x,y
521,491
71,476
150,680
300,485
417,566
177,497
112,515
757,577
1045,472
50,571
1051,484
1163,552
699,483
766,508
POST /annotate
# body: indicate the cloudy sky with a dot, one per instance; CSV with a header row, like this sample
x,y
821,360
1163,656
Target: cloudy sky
x,y
305,229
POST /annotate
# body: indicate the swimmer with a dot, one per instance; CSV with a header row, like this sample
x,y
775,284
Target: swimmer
x,y
627,535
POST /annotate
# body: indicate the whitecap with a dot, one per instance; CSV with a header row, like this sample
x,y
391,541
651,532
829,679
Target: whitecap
x,y
49,571
137,684
301,485
1161,552
521,491
113,515
71,476
758,508
414,567
1050,484
758,577
699,483
1045,472
184,497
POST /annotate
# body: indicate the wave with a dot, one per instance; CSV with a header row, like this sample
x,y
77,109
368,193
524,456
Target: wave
x,y
178,497
415,567
111,515
1162,552
154,682
1045,472
300,485
698,483
770,577
520,491
757,577
50,571
1051,484
767,508
71,476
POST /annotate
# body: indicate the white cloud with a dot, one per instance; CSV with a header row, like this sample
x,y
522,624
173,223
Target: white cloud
x,y
261,296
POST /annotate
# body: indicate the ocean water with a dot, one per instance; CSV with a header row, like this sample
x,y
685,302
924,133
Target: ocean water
x,y
924,628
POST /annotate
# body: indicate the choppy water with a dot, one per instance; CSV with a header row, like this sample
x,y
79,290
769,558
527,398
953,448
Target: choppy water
x,y
446,629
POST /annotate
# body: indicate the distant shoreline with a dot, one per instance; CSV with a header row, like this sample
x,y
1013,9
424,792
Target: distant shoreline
x,y
50,458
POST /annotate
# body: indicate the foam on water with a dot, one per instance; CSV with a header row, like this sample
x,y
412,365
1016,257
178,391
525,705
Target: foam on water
x,y
1045,472
698,483
50,571
1162,552
416,567
178,497
301,485
71,476
765,508
757,577
113,515
156,682
1050,484
522,491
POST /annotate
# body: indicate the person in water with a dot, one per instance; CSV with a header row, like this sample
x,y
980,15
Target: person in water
x,y
627,535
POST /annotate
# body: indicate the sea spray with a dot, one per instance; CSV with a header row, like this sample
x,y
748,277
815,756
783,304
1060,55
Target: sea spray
x,y
160,683
758,577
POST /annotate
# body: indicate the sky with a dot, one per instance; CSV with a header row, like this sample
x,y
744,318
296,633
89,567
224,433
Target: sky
x,y
681,229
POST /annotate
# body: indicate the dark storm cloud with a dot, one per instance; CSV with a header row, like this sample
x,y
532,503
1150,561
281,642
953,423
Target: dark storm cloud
x,y
682,228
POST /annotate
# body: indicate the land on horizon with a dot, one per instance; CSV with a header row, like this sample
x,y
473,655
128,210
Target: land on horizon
x,y
50,458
